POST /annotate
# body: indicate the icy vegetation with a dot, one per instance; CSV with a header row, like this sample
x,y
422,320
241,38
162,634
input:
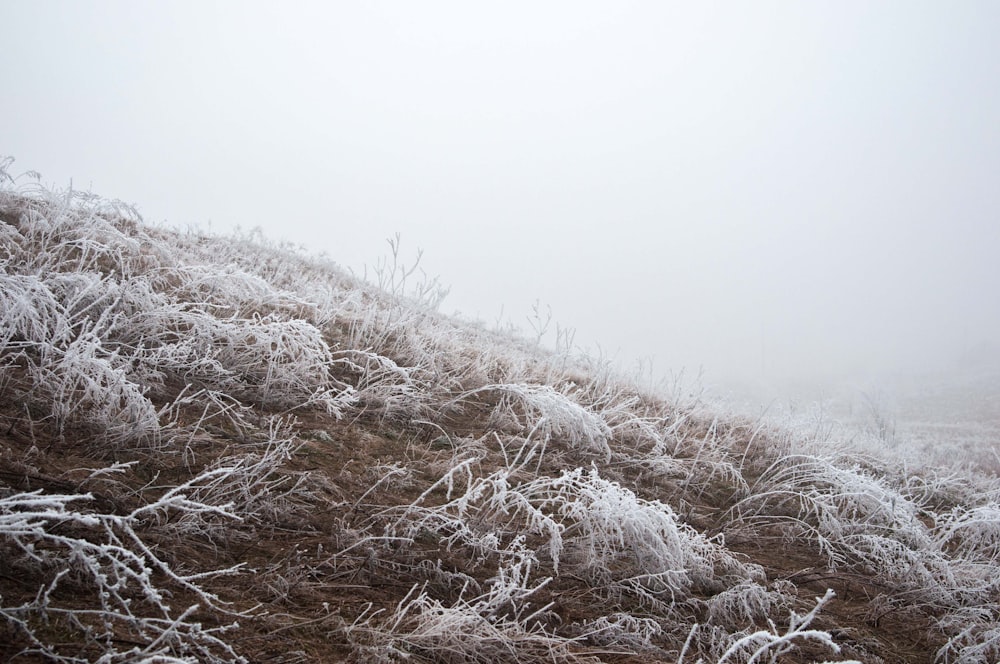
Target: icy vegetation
x,y
214,449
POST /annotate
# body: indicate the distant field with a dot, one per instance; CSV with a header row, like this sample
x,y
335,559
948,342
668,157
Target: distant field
x,y
943,419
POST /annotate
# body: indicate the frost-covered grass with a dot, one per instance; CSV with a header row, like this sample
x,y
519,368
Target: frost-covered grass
x,y
218,449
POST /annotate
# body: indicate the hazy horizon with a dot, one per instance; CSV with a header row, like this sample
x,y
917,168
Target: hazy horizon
x,y
772,192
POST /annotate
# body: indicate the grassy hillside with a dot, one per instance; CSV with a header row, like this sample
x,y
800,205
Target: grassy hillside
x,y
213,449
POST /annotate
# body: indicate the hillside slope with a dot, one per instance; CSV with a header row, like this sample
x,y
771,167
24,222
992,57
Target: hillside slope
x,y
213,449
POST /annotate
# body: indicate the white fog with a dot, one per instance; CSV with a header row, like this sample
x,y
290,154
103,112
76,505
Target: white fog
x,y
789,199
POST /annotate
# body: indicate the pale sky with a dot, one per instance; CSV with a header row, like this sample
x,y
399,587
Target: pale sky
x,y
764,190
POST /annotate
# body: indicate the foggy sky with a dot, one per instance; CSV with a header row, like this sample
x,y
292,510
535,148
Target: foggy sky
x,y
766,190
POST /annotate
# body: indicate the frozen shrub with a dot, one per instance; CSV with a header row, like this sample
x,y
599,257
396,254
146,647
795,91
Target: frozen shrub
x,y
604,522
591,525
231,292
971,532
858,520
832,506
87,386
975,637
546,413
30,315
620,630
106,563
248,489
628,418
498,625
748,602
283,364
380,385
80,232
770,645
